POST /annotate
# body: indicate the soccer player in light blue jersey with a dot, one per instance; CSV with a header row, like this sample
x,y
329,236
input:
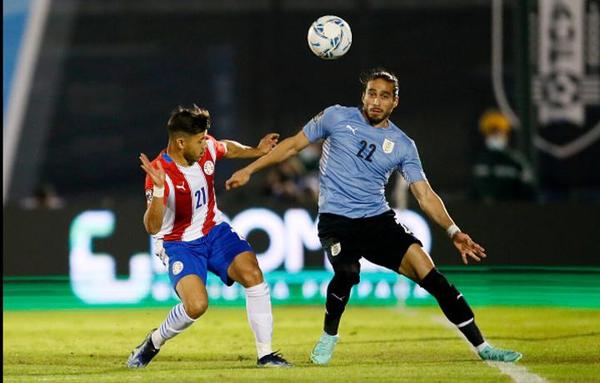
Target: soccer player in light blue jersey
x,y
361,149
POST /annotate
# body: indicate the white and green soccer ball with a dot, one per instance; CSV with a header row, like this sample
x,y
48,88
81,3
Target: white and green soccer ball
x,y
329,37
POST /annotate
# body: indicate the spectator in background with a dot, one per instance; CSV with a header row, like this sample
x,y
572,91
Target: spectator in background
x,y
283,181
44,197
309,182
500,173
297,178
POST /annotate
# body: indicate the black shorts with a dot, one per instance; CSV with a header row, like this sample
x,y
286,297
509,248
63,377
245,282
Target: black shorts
x,y
379,239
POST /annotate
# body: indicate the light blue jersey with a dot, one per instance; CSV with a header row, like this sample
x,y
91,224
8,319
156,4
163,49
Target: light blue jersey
x,y
357,161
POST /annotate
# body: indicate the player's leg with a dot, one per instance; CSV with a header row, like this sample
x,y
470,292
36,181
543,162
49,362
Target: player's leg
x,y
418,266
233,259
346,275
188,274
339,289
244,270
336,235
194,302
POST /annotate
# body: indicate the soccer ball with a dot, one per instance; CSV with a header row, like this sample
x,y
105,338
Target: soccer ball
x,y
329,37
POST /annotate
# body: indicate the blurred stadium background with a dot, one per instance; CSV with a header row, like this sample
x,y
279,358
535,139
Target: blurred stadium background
x,y
88,85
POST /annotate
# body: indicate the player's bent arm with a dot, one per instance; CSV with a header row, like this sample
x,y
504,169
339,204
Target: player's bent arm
x,y
153,217
237,150
431,203
286,149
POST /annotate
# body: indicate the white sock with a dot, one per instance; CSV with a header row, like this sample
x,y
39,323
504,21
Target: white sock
x,y
260,317
176,322
482,346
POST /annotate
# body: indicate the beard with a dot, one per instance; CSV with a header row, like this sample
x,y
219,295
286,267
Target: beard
x,y
375,120
190,158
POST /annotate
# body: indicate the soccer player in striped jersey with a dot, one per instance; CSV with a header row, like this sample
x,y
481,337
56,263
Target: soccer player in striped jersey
x,y
191,236
361,149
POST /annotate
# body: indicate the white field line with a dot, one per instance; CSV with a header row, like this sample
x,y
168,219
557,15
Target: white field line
x,y
518,373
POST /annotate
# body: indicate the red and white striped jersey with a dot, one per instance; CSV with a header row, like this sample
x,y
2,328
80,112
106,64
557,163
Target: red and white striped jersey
x,y
191,207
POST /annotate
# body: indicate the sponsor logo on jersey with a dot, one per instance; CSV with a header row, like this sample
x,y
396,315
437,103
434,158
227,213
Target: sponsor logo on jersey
x,y
388,146
177,267
352,129
335,249
209,168
181,187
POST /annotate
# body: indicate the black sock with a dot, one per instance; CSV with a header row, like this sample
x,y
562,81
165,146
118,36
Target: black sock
x,y
472,333
338,294
453,304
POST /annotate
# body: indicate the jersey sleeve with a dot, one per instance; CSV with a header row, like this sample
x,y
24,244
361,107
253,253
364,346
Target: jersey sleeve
x,y
220,149
320,125
410,167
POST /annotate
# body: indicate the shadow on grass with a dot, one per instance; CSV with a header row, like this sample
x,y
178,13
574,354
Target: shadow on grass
x,y
347,339
401,340
541,339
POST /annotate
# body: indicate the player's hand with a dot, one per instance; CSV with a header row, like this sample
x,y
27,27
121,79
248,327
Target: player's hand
x,y
156,172
268,142
164,258
237,179
468,248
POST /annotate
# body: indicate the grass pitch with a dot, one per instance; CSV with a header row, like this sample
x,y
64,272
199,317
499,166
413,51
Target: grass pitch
x,y
377,345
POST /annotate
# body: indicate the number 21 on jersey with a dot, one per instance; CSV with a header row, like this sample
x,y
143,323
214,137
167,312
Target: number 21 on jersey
x,y
200,197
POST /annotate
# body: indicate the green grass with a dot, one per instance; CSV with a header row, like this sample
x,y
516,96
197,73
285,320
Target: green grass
x,y
377,345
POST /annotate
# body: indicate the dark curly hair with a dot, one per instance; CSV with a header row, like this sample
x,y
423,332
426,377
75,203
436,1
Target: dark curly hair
x,y
191,120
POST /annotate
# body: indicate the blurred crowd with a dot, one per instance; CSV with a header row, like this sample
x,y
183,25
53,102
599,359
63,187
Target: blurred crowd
x,y
296,179
44,197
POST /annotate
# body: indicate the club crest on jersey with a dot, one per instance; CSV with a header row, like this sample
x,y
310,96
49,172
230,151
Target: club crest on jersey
x,y
177,267
335,249
209,168
387,146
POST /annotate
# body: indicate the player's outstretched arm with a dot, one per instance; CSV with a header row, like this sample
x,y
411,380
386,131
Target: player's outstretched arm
x,y
287,148
155,211
237,150
434,207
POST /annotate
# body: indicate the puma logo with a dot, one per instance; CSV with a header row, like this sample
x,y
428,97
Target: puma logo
x,y
181,187
340,298
352,129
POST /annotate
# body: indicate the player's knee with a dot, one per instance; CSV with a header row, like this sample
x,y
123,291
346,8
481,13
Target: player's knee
x,y
251,277
196,308
435,283
347,276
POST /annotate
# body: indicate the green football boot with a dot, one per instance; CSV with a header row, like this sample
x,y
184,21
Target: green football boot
x,y
492,353
323,350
